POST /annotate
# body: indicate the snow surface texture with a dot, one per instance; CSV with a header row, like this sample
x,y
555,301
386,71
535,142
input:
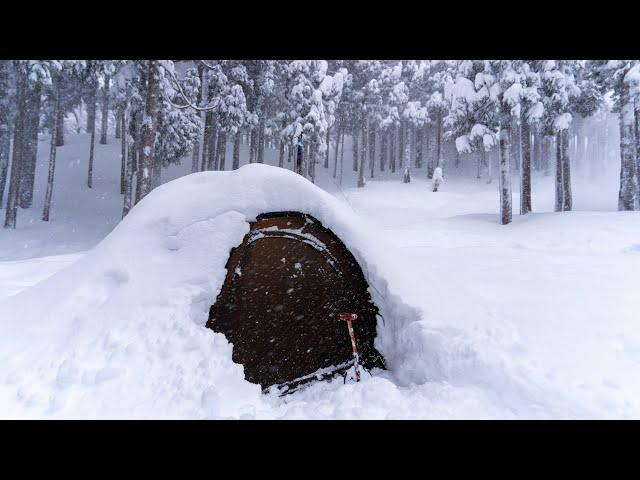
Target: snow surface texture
x,y
536,319
120,332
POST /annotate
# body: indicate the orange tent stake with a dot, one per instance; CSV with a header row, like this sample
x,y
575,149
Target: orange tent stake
x,y
349,318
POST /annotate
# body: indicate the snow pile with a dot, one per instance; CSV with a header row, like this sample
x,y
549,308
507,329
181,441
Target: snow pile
x,y
120,333
437,179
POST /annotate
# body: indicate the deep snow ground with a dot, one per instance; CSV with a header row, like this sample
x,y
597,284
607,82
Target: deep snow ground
x,y
80,217
531,320
549,298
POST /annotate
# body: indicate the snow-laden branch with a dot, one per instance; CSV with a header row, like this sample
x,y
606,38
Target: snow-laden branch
x,y
188,102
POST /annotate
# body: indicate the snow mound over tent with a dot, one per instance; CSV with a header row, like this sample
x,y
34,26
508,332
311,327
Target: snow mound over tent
x,y
121,332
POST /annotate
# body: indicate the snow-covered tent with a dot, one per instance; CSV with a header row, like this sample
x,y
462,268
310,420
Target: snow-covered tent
x,y
285,287
121,332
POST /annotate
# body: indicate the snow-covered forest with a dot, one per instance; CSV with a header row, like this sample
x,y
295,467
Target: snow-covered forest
x,y
505,119
492,206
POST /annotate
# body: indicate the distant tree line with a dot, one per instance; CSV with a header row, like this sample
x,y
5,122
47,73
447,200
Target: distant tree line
x,y
503,114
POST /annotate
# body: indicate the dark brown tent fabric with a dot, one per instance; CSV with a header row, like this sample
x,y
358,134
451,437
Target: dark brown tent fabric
x,y
279,305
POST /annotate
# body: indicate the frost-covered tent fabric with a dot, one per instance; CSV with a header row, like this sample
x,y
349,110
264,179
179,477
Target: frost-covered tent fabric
x,y
285,286
121,332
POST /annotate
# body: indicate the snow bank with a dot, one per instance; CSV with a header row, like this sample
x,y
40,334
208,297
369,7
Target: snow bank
x,y
120,333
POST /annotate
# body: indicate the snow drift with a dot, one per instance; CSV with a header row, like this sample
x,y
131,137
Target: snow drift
x,y
121,332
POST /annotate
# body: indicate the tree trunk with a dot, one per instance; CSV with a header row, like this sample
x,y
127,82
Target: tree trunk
x,y
636,115
5,131
439,141
148,133
117,131
602,164
299,155
383,148
123,152
335,152
430,153
406,161
105,110
221,150
401,135
91,129
30,145
516,144
547,153
252,145
212,146
205,163
392,149
415,139
236,150
354,146
363,153
584,153
628,187
537,148
261,140
372,150
195,154
576,143
419,134
90,101
281,154
60,125
156,168
138,165
566,173
18,131
341,156
52,153
596,149
312,160
130,162
326,153
559,182
505,178
525,186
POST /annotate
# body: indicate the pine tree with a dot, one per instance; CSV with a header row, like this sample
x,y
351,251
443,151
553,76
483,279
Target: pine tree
x,y
178,129
308,86
568,92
